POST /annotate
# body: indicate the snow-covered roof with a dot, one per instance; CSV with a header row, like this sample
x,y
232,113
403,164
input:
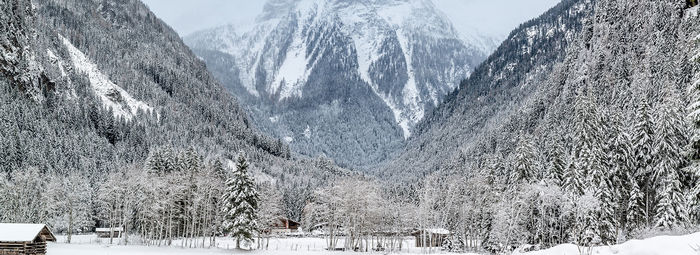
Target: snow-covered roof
x,y
108,230
14,232
438,231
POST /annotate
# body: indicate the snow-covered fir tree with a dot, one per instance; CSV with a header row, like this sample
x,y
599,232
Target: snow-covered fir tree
x,y
636,216
557,164
607,220
584,170
241,204
693,117
643,143
525,167
588,153
573,179
670,210
620,164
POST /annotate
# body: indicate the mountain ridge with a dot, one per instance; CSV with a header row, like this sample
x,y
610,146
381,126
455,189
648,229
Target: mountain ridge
x,y
406,54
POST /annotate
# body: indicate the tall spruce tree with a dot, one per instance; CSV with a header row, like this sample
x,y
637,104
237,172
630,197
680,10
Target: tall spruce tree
x,y
525,161
587,153
694,144
573,180
607,190
557,164
643,143
241,204
636,215
607,218
694,193
619,162
670,209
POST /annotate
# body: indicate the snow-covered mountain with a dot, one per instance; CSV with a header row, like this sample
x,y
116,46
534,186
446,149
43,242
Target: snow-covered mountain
x,y
88,88
304,58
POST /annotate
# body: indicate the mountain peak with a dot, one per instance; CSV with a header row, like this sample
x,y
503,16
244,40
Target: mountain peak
x,y
318,57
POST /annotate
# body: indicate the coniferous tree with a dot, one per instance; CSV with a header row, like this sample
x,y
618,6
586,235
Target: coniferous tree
x,y
557,165
587,152
694,136
525,165
241,204
670,138
642,142
694,195
636,214
619,161
607,217
573,180
670,209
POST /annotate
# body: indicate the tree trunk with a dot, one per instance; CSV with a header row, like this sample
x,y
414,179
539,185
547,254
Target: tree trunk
x,y
70,222
111,225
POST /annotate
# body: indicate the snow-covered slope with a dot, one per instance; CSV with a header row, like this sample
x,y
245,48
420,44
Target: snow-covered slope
x,y
659,245
111,95
403,55
511,73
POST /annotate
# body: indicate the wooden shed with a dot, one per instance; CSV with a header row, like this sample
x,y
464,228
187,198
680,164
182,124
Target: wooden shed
x,y
284,226
108,232
21,239
432,237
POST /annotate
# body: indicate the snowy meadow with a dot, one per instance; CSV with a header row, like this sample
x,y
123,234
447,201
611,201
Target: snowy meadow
x,y
91,244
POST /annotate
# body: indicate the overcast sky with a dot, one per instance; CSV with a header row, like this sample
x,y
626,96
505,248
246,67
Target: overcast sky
x,y
187,16
490,17
493,17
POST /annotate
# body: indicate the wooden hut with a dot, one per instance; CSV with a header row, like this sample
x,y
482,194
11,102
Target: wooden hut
x,y
109,232
284,226
21,239
432,237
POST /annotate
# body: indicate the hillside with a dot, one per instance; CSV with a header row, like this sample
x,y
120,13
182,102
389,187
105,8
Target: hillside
x,y
94,88
582,128
496,88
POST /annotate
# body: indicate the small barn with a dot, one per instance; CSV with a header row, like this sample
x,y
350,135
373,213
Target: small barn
x,y
21,239
284,226
109,232
431,237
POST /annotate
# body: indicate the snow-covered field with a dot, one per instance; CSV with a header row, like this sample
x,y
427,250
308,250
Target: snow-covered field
x,y
90,244
660,245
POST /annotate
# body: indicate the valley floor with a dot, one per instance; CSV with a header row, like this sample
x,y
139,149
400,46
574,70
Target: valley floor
x,y
90,244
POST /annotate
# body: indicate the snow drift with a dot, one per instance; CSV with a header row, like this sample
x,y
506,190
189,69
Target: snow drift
x,y
659,245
